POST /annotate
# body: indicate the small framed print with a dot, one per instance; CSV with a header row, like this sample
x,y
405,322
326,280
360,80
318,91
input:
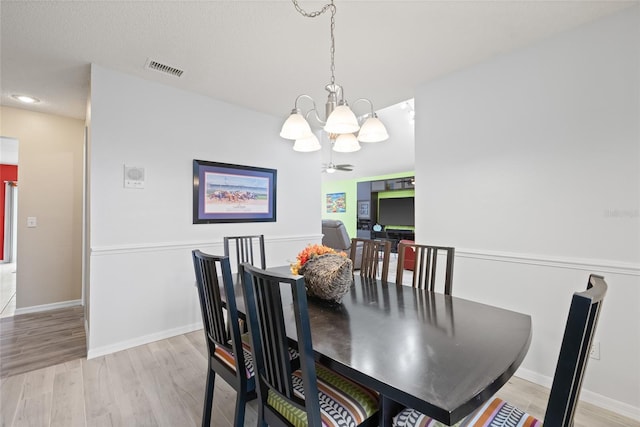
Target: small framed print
x,y
363,210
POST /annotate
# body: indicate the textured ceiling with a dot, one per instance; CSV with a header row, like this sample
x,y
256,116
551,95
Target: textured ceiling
x,y
262,54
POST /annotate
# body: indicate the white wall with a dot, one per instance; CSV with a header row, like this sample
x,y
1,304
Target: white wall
x,y
141,276
530,165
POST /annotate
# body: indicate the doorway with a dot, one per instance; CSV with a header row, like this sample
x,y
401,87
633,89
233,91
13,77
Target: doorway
x,y
8,224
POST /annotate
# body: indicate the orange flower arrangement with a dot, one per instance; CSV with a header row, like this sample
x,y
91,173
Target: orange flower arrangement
x,y
309,252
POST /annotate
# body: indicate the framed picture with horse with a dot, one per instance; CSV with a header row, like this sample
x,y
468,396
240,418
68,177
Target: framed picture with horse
x,y
224,192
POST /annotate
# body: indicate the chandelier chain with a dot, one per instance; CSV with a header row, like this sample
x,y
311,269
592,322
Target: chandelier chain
x,y
314,14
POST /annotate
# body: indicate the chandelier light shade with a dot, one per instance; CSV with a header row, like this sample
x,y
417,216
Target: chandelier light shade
x,y
308,144
346,143
340,122
295,127
373,130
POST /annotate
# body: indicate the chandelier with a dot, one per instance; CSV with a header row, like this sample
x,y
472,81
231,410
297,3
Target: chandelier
x,y
341,123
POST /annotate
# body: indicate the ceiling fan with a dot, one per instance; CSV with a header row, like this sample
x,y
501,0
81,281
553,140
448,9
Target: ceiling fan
x,y
409,180
332,167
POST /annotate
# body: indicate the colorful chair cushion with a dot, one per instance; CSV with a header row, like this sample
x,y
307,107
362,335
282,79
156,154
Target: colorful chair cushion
x,y
226,356
342,401
494,413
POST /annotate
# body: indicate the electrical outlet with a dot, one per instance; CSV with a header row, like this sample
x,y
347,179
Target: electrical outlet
x,y
594,352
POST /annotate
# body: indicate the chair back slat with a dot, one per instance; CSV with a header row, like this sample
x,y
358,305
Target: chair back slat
x,y
220,330
247,249
425,269
373,251
574,353
263,298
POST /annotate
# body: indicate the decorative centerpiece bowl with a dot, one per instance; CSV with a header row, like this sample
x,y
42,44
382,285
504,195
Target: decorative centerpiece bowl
x,y
327,273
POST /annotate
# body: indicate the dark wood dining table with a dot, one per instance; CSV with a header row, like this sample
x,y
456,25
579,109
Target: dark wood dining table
x,y
439,354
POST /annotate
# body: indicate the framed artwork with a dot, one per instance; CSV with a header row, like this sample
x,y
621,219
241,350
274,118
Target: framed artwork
x,y
336,202
363,210
233,193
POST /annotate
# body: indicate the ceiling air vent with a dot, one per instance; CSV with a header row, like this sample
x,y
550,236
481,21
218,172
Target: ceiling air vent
x,y
163,68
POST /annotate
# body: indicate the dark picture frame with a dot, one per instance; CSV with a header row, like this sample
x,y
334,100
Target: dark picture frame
x,y
224,192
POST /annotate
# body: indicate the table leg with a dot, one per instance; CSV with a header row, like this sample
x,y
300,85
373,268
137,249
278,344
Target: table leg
x,y
388,409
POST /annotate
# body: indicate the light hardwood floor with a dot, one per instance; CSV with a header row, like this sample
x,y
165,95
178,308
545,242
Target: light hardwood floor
x,y
162,384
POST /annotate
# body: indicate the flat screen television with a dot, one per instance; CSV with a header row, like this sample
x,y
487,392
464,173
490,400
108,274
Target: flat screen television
x,y
397,211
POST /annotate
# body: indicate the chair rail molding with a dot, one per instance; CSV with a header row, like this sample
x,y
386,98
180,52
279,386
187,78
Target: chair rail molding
x,y
173,246
585,264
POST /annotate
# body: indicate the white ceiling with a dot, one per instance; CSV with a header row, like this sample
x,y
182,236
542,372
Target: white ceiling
x,y
262,54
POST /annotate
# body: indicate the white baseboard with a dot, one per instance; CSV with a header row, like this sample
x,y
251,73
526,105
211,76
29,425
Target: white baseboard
x,y
47,307
596,399
146,339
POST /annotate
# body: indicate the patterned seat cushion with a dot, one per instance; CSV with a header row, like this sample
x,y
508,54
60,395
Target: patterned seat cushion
x,y
342,401
494,413
226,356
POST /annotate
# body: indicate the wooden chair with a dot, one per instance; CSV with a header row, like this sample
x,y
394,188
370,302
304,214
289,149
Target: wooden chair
x,y
313,394
425,265
245,246
565,390
372,252
227,354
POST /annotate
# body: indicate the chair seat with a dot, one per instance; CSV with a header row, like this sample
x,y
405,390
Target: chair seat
x,y
226,356
494,413
342,401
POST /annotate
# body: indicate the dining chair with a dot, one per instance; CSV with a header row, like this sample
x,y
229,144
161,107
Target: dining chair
x,y
567,380
245,247
228,354
373,251
425,273
312,395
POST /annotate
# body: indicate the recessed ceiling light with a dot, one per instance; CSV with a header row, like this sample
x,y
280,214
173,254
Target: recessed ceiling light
x,y
26,99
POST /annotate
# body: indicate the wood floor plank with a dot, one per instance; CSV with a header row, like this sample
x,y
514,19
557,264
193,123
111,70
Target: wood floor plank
x,y
34,408
130,395
10,394
100,403
188,372
34,411
67,407
196,338
38,382
163,399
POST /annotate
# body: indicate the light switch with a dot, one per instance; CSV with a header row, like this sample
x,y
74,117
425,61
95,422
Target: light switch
x,y
32,221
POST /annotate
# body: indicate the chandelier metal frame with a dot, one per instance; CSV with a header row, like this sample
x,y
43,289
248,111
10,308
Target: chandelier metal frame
x,y
341,123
